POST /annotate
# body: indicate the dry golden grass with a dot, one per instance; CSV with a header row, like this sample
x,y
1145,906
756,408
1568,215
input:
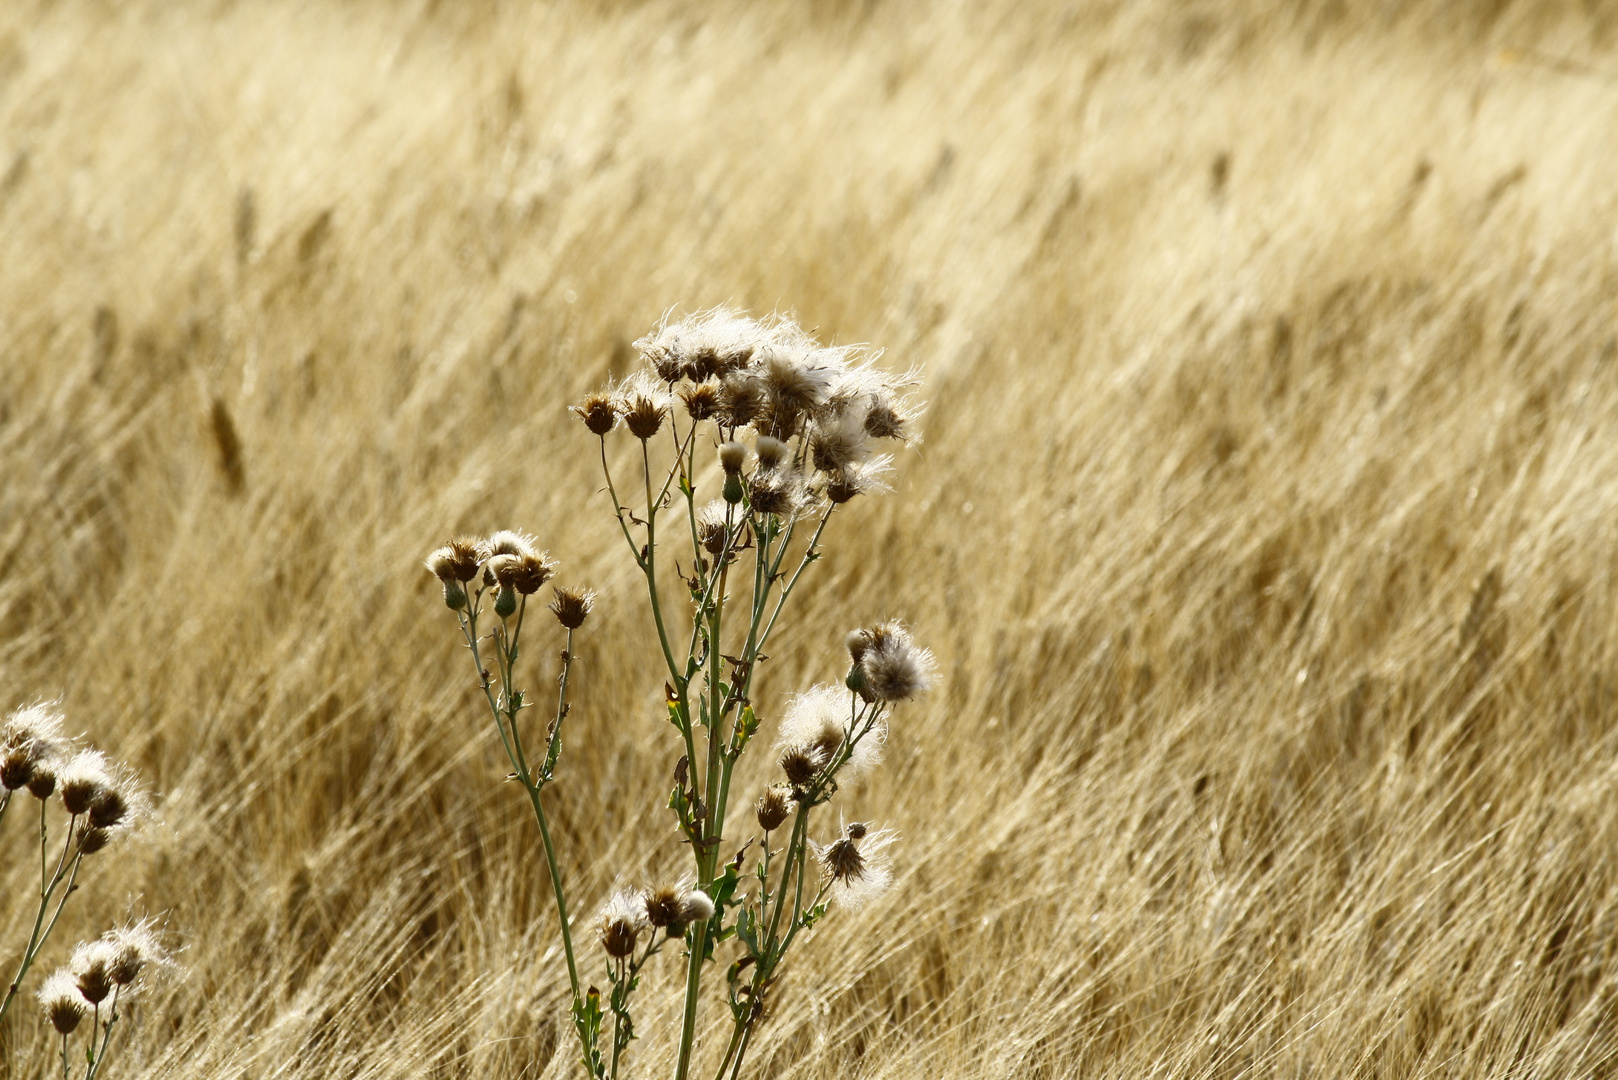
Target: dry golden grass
x,y
1264,522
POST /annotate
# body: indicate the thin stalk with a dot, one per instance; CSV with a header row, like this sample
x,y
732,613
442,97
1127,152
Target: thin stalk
x,y
42,930
106,1038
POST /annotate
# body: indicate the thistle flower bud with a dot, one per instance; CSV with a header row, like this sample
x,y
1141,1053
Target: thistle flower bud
x,y
90,963
771,452
773,808
454,595
64,1005
505,602
701,401
732,456
572,606
599,413
734,492
620,923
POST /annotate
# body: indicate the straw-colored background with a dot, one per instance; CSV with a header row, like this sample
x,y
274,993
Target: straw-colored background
x,y
1264,522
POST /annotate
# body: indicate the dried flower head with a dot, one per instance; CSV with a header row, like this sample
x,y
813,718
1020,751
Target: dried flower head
x,y
855,865
775,491
599,412
773,808
819,721
801,765
620,922
799,378
64,1005
703,345
839,442
42,782
572,606
701,400
743,398
30,744
508,542
772,453
92,969
456,561
884,419
674,907
134,949
891,665
91,839
530,573
712,530
82,780
643,405
855,480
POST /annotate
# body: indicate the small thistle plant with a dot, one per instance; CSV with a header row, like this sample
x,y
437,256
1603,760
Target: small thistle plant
x,y
99,801
798,431
102,975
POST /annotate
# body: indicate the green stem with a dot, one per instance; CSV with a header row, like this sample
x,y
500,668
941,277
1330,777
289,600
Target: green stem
x,y
42,930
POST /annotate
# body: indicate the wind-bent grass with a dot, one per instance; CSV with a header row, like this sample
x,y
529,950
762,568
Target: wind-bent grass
x,y
1263,521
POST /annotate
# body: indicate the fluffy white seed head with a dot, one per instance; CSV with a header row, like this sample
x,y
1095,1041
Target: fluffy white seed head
x,y
894,668
64,1005
817,722
856,866
620,923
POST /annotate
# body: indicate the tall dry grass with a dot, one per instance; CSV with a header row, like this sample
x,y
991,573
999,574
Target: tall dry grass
x,y
1264,522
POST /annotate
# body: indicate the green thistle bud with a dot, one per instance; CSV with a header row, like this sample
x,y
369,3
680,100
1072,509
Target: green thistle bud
x,y
454,595
733,488
505,602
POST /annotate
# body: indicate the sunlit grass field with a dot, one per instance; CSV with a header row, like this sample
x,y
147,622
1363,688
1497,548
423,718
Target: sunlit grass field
x,y
1263,518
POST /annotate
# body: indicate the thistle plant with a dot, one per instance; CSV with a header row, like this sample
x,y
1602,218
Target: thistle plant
x,y
99,800
796,431
102,975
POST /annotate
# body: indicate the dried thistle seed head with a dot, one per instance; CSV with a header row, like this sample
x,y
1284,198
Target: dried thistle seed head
x,y
838,443
799,379
572,606
92,839
134,948
856,867
701,345
441,564
701,400
17,767
801,766
743,398
64,1005
643,405
599,412
775,491
773,808
665,906
772,452
108,809
43,782
712,532
620,923
818,721
862,479
884,420
893,667
33,724
855,830
858,641
508,542
82,779
91,964
531,572
504,569
732,456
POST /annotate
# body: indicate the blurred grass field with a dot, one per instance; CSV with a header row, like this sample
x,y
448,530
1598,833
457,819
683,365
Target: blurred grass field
x,y
1264,521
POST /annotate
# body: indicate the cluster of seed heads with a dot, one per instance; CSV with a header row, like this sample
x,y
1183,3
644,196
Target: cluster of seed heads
x,y
628,914
35,755
511,563
817,413
111,963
